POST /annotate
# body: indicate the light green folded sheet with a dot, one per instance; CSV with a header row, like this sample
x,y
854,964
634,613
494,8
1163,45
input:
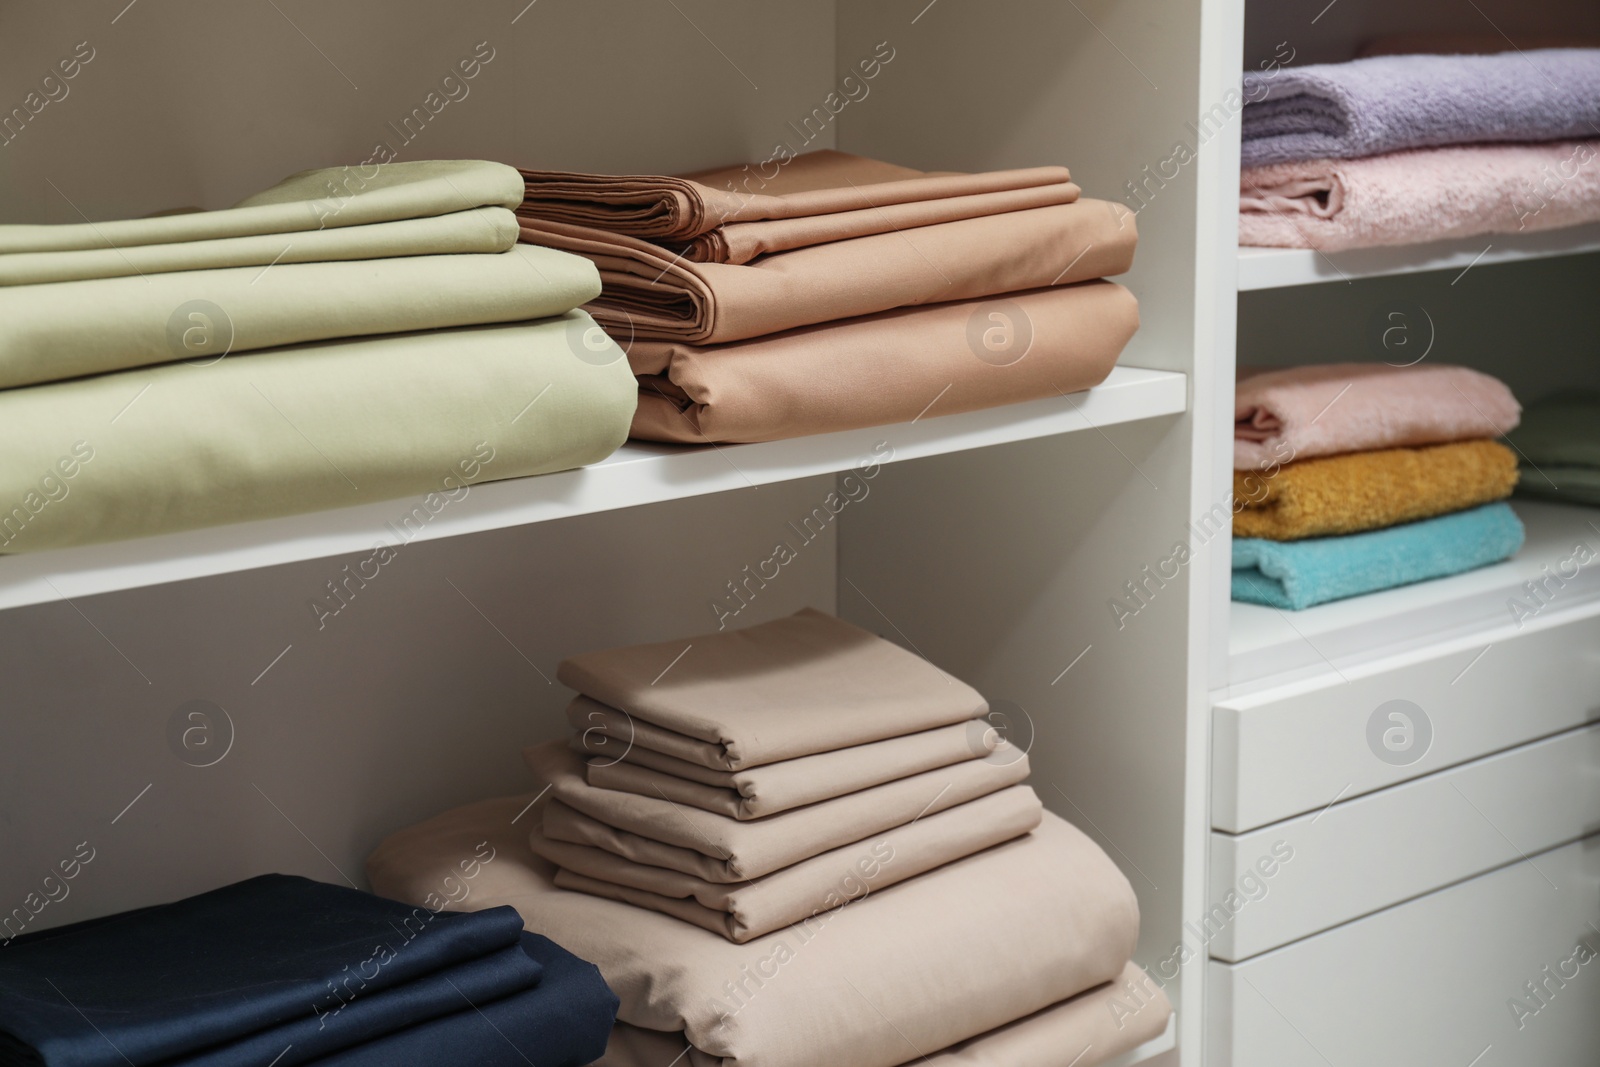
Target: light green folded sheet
x,y
1559,441
481,229
417,418
72,329
328,198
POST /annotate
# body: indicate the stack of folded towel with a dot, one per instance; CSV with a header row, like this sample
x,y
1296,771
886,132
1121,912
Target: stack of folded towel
x,y
800,844
1403,149
837,292
1559,441
350,335
1351,478
284,971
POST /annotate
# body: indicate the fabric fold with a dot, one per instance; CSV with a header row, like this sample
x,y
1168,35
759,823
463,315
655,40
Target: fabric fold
x,y
1371,490
1020,928
796,686
71,329
758,847
744,910
1300,574
892,367
1367,107
1324,409
1559,440
303,428
1419,196
651,293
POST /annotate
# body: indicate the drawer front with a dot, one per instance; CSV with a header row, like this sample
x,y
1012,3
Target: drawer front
x,y
1313,872
1279,755
1503,969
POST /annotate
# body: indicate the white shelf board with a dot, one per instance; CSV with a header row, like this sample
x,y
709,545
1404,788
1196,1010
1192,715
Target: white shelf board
x,y
1275,268
639,473
1151,1051
1268,646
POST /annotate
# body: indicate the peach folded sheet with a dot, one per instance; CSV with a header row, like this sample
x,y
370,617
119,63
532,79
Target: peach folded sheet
x,y
734,214
1412,197
895,366
652,293
1325,409
936,960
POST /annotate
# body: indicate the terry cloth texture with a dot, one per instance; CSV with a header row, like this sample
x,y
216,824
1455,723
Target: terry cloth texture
x,y
298,429
891,367
247,967
1367,107
314,200
741,911
1085,1031
1324,409
717,848
652,293
799,685
1560,441
620,760
1370,490
71,329
1419,196
926,955
1299,574
809,187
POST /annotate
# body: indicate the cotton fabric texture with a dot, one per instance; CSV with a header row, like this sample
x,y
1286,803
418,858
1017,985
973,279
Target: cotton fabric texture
x,y
1560,440
1300,574
796,686
744,910
325,425
1367,107
816,187
730,848
929,955
1370,490
72,329
1418,196
1325,409
892,367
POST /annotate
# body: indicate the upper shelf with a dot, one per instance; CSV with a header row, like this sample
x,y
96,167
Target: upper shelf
x,y
1276,268
636,474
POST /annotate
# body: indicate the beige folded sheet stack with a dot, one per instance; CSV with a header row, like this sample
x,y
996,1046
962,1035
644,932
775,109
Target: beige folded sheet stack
x,y
350,335
796,844
831,291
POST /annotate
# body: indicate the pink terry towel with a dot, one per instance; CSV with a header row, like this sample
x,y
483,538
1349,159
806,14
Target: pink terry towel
x,y
1428,194
1283,415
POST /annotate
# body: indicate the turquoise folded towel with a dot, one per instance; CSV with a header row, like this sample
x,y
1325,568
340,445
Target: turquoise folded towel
x,y
1298,574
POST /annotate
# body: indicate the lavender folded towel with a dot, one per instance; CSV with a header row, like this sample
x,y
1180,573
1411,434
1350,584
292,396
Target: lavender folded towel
x,y
1387,103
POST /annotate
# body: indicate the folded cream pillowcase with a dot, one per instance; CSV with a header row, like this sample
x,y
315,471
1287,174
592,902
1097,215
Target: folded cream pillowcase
x,y
652,293
796,686
618,761
328,198
1101,1024
931,962
71,329
741,911
758,847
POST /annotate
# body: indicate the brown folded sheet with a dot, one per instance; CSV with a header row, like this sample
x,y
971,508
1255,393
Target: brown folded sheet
x,y
617,763
1085,1031
885,368
758,847
827,182
923,965
653,293
795,686
744,910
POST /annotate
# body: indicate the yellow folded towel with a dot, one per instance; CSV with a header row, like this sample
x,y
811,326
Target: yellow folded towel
x,y
1370,490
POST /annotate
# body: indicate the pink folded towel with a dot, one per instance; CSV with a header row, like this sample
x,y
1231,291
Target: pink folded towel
x,y
1284,415
1413,197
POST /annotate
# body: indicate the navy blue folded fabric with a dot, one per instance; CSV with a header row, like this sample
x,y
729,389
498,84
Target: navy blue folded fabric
x,y
565,1022
181,981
